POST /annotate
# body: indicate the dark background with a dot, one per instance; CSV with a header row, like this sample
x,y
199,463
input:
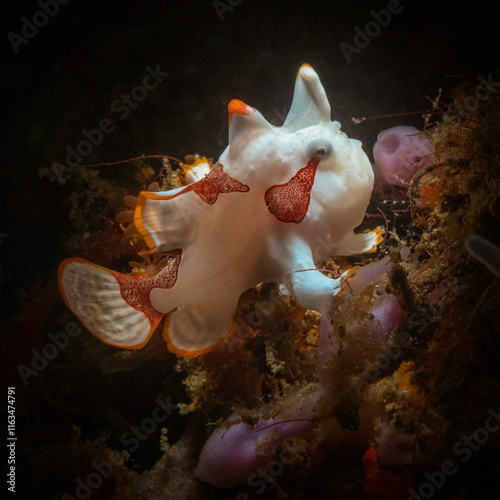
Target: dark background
x,y
66,77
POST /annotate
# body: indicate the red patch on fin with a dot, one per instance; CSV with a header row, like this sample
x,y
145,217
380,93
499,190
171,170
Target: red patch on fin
x,y
208,189
214,183
135,291
289,202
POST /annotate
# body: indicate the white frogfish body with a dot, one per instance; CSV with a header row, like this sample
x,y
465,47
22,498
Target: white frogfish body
x,y
278,202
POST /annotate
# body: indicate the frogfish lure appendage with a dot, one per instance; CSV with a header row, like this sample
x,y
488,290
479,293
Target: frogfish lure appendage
x,y
257,216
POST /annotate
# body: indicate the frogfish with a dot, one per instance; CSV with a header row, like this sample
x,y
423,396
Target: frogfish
x,y
278,202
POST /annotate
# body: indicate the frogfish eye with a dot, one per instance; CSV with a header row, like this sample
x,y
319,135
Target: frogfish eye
x,y
320,149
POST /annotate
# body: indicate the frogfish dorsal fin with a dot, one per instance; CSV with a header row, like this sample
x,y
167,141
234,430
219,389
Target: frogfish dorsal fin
x,y
310,105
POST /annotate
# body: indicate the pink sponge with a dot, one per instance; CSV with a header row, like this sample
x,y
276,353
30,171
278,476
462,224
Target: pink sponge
x,y
400,152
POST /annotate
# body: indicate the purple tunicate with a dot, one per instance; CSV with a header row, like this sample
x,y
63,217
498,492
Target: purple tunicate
x,y
400,152
394,446
366,275
385,310
356,282
369,338
232,454
387,314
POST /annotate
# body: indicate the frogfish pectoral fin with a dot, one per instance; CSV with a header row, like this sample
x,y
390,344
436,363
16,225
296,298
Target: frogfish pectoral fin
x,y
168,220
114,307
354,244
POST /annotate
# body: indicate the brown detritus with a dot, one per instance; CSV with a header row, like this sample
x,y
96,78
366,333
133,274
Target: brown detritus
x,y
144,172
402,287
190,159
